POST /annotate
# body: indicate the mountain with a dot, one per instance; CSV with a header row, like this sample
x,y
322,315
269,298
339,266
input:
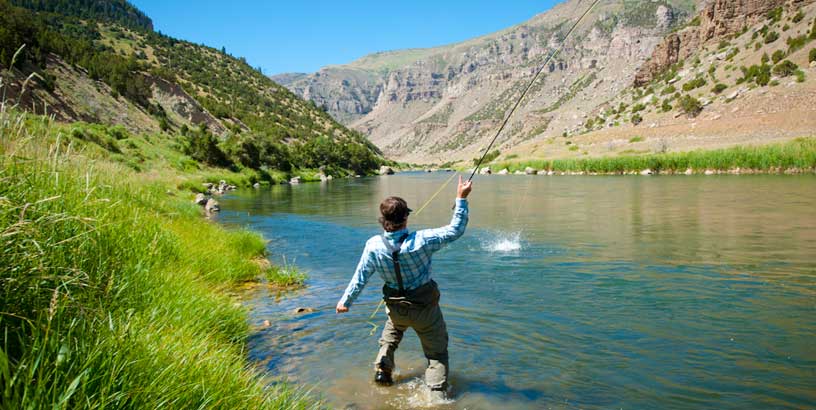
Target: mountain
x,y
444,104
426,105
100,61
741,72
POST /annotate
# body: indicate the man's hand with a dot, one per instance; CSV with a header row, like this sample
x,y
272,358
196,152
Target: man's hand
x,y
340,308
464,188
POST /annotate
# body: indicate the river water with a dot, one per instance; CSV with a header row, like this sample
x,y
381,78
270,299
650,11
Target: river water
x,y
673,292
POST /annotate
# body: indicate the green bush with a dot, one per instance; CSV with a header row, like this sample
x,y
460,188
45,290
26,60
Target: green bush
x,y
718,88
777,56
785,68
812,55
637,119
694,84
776,14
690,105
666,106
798,17
760,74
796,43
771,37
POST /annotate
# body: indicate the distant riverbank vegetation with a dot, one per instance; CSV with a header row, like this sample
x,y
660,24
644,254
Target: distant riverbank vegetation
x,y
114,288
798,155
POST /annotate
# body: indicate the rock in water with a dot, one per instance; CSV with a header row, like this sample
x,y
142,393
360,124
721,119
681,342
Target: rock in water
x,y
485,171
530,171
386,170
646,172
212,206
304,310
256,185
504,171
294,180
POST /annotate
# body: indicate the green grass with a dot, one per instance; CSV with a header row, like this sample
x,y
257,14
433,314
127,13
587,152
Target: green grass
x,y
114,293
796,154
285,275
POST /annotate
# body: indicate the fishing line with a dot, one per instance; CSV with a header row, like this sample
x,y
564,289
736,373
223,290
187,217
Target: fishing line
x,y
530,85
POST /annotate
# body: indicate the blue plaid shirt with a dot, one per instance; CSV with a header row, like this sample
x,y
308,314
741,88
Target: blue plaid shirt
x,y
415,255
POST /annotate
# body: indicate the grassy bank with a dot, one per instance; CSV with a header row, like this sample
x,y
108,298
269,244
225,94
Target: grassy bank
x,y
796,155
113,285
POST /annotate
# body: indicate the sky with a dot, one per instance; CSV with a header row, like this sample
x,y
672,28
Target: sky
x,y
302,36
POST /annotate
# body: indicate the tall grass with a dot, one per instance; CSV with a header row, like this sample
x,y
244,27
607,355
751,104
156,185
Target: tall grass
x,y
112,290
799,154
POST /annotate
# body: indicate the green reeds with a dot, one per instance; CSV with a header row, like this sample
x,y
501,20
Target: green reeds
x,y
798,154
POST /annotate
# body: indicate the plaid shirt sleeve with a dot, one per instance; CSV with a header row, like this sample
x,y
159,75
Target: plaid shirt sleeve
x,y
363,272
436,239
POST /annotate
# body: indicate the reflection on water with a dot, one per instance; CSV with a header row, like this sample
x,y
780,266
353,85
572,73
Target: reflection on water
x,y
582,292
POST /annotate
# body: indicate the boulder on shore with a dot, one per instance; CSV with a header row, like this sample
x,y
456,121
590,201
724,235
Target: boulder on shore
x,y
485,171
504,171
256,185
386,170
530,171
294,180
200,199
646,171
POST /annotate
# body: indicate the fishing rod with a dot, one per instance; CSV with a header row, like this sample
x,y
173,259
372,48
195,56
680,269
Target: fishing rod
x,y
547,61
529,86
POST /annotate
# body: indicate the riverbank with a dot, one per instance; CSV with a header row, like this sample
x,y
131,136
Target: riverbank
x,y
115,288
793,157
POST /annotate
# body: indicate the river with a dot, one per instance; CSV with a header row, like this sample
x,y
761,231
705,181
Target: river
x,y
566,292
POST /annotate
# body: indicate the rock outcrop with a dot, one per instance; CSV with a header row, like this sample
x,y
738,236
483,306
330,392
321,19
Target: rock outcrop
x,y
718,19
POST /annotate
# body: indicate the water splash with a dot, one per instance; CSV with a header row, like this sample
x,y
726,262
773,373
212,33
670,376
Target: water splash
x,y
503,243
415,394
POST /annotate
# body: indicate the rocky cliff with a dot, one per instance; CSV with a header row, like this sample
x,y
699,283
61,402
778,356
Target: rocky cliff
x,y
444,103
717,20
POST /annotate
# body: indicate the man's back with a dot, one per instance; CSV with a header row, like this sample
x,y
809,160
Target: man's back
x,y
416,249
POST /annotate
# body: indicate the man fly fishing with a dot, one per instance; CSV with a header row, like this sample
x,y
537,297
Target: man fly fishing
x,y
403,260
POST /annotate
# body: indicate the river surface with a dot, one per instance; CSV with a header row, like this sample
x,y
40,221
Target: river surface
x,y
671,292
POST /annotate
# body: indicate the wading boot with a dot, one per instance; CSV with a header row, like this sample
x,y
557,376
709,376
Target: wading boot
x,y
383,378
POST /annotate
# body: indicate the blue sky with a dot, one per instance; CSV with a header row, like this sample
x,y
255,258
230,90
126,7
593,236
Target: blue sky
x,y
302,36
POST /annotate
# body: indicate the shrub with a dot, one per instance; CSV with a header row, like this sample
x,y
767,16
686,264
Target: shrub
x,y
718,88
812,55
760,74
635,139
785,68
638,107
798,17
796,43
637,119
695,83
666,107
690,105
800,76
775,15
771,37
671,89
777,56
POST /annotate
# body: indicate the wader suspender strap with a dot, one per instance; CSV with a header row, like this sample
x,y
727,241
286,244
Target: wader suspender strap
x,y
395,257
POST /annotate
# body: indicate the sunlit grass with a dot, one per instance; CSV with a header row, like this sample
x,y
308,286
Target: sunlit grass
x,y
112,290
798,154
